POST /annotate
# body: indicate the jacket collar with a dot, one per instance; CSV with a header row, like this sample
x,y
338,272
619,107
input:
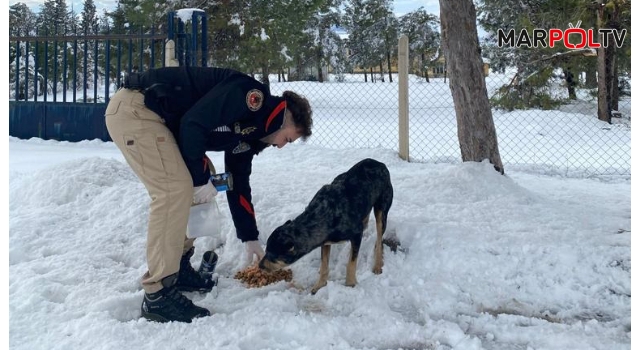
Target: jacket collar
x,y
275,119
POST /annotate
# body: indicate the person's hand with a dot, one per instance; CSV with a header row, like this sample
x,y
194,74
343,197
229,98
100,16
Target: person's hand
x,y
253,248
204,194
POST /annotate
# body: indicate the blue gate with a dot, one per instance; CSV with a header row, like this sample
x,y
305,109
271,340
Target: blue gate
x,y
60,85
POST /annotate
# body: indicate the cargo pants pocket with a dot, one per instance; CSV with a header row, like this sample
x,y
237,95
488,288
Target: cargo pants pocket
x,y
112,107
157,154
169,153
130,145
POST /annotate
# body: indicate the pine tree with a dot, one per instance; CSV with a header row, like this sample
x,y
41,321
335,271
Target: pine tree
x,y
424,39
326,42
86,56
89,19
21,23
22,20
537,67
370,30
54,20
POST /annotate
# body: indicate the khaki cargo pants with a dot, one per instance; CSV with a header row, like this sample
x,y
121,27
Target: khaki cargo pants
x,y
151,151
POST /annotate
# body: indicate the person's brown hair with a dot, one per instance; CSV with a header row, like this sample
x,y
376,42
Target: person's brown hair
x,y
300,111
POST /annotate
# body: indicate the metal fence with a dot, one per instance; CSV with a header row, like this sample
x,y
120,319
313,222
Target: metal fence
x,y
59,85
351,111
568,140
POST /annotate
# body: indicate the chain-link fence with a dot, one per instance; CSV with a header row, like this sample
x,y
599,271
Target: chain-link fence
x,y
566,140
563,135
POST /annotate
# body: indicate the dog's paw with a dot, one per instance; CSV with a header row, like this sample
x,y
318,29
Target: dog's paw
x,y
351,283
317,287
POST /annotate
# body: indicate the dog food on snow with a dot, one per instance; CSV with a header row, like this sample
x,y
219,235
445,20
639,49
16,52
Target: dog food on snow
x,y
254,277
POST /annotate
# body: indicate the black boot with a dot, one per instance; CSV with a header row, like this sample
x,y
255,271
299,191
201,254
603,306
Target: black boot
x,y
189,280
169,304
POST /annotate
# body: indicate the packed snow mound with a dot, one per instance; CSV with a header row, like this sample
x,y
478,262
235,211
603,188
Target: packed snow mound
x,y
80,182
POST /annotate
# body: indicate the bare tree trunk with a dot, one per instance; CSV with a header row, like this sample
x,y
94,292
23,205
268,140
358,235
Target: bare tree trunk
x,y
445,70
571,83
590,80
265,75
423,64
604,107
320,75
389,65
297,74
381,72
612,78
476,131
604,112
613,21
615,88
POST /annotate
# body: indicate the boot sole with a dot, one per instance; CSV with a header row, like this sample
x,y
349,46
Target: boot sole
x,y
159,318
193,289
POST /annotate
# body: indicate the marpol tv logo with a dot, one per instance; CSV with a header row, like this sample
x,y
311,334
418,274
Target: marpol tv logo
x,y
572,37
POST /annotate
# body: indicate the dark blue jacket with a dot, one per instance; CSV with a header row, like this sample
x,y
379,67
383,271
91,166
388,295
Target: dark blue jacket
x,y
216,109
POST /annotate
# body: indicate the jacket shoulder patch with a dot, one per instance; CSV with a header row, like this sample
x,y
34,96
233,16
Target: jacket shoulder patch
x,y
254,99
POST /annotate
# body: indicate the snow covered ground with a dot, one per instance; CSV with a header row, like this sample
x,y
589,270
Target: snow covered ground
x,y
523,261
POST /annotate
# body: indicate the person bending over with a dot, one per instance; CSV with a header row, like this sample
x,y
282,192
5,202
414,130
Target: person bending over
x,y
163,121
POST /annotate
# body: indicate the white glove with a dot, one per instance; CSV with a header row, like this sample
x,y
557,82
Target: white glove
x,y
204,193
253,248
